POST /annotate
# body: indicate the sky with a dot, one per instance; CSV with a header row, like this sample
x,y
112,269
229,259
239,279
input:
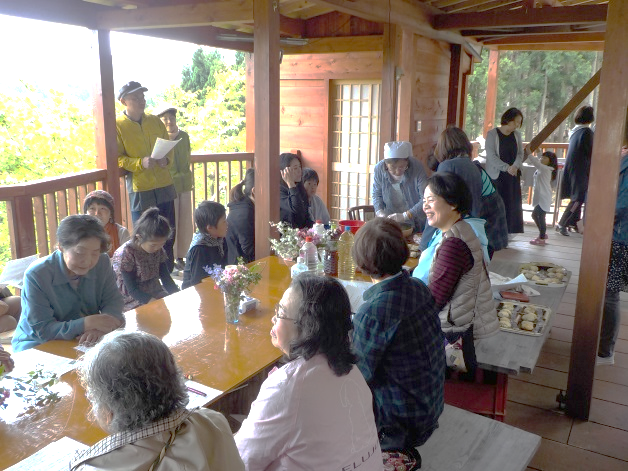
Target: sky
x,y
56,56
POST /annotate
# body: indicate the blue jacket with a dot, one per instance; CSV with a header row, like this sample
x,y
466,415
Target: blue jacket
x,y
620,229
53,310
412,186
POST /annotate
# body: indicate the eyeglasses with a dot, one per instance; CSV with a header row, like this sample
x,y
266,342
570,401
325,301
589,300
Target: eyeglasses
x,y
278,314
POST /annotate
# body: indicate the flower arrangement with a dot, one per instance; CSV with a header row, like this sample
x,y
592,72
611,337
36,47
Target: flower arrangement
x,y
235,282
291,240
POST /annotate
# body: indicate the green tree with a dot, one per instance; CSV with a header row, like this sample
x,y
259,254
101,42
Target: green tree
x,y
201,74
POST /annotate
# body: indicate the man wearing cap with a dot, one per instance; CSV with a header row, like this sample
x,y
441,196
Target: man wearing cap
x,y
398,184
149,182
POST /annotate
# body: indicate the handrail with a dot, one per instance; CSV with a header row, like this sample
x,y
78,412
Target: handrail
x,y
52,184
223,157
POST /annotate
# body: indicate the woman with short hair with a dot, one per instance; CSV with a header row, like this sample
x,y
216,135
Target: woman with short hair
x,y
575,181
398,341
138,395
241,220
316,411
504,160
71,293
293,200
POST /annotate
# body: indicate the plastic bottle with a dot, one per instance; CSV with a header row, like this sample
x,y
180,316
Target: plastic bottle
x,y
309,252
300,267
346,265
319,227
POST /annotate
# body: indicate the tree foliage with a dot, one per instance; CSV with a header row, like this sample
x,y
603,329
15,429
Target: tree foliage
x,y
201,74
522,83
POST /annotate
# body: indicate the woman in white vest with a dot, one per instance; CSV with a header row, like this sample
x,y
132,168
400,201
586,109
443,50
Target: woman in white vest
x,y
457,274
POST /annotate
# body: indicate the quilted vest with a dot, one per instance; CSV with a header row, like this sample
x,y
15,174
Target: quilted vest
x,y
472,300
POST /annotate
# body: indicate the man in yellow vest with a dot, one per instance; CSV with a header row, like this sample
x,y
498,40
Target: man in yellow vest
x,y
149,182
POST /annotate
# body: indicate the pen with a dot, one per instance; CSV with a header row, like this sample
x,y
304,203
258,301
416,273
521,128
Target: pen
x,y
196,391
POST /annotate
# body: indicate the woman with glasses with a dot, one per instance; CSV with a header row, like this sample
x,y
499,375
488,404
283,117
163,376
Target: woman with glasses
x,y
316,411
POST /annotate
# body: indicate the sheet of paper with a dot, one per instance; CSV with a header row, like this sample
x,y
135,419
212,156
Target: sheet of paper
x,y
503,283
28,360
13,273
83,348
162,147
355,290
54,457
199,400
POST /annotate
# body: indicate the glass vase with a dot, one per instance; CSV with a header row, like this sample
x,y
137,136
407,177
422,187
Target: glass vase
x,y
232,307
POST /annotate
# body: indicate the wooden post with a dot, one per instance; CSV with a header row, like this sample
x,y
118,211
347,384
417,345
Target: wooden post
x,y
21,226
454,83
462,106
104,104
609,137
266,71
407,87
387,118
491,91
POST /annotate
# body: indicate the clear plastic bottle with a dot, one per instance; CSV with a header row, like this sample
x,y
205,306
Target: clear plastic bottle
x,y
309,252
300,267
346,265
319,227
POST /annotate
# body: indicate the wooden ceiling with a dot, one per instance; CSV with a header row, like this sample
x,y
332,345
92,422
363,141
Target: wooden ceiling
x,y
340,25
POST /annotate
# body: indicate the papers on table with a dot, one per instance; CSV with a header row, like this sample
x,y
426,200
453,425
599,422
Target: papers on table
x,y
83,348
54,457
503,283
355,289
28,360
162,147
13,273
200,394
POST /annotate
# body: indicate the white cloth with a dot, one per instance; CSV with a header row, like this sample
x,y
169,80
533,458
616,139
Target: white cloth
x,y
307,418
542,184
397,150
494,164
318,210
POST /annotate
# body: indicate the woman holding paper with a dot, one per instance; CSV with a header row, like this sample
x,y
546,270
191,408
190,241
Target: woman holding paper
x,y
71,293
138,394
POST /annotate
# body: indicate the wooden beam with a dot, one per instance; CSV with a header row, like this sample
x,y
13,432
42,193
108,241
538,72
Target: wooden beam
x,y
565,112
266,70
407,87
491,92
584,46
610,133
178,16
585,14
68,12
293,27
547,38
341,44
201,35
388,107
467,67
455,64
104,105
479,5
536,30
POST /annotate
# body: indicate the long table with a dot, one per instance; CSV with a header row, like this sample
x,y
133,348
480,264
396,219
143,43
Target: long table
x,y
192,324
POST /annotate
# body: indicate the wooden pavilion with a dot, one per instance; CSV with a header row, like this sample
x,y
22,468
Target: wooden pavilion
x,y
402,63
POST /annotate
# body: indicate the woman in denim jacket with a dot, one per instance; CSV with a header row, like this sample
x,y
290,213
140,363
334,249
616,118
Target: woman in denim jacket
x,y
398,184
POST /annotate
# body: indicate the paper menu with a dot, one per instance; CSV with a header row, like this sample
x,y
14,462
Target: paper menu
x,y
355,290
13,273
198,400
28,360
55,456
162,147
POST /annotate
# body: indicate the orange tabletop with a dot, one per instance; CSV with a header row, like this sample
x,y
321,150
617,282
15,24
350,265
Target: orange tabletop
x,y
192,323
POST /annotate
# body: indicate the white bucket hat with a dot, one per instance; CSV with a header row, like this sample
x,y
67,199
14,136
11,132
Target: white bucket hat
x,y
397,150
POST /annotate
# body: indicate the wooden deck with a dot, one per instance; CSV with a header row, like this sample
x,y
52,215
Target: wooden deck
x,y
568,444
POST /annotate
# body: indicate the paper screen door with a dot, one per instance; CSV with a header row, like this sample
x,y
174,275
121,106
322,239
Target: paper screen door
x,y
354,143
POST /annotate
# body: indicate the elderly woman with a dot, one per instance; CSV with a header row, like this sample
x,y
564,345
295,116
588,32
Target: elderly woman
x,y
453,152
398,340
504,159
457,275
293,199
99,203
72,293
398,184
577,167
316,411
138,395
183,183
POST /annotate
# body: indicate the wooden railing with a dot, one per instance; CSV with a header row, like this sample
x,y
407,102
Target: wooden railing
x,y
34,209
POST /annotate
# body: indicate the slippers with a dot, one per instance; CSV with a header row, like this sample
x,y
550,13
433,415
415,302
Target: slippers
x,y
407,459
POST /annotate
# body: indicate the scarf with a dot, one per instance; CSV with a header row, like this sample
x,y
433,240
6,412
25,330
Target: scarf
x,y
111,229
208,240
576,127
173,135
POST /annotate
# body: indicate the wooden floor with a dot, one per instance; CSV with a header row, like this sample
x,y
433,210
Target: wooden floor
x,y
568,444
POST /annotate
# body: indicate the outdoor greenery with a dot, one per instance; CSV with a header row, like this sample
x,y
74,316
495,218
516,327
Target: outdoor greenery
x,y
539,83
44,133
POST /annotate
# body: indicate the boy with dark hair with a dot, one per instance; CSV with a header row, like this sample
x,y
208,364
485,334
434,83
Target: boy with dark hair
x,y
208,247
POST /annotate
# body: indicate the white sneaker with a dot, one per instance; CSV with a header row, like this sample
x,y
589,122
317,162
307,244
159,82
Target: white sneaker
x,y
605,360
